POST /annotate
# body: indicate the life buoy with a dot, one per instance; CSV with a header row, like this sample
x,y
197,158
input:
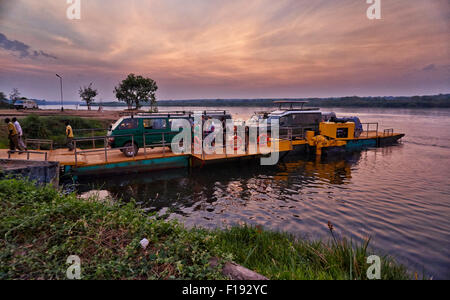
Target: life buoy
x,y
264,138
237,142
197,143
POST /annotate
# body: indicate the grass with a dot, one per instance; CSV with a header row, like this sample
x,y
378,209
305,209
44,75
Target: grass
x,y
53,128
284,257
40,228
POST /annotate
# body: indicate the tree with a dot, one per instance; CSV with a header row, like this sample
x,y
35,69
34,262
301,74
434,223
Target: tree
x,y
136,90
14,95
2,96
88,94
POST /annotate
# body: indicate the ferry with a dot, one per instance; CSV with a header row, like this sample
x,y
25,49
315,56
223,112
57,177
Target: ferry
x,y
302,132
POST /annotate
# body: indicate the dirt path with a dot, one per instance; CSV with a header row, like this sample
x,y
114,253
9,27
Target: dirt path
x,y
95,114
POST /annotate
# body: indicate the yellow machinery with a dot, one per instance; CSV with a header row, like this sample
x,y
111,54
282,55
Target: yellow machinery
x,y
331,135
338,131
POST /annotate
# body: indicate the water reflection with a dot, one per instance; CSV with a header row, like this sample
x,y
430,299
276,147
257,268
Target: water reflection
x,y
215,189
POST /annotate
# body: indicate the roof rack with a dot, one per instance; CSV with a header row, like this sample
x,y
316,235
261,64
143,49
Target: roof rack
x,y
291,103
173,113
213,111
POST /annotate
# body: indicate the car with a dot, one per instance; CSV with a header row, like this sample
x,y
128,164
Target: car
x,y
25,104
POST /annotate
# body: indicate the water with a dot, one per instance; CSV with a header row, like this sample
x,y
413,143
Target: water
x,y
398,195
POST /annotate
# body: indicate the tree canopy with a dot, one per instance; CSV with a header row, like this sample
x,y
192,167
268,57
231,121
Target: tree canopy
x,y
88,95
137,90
14,95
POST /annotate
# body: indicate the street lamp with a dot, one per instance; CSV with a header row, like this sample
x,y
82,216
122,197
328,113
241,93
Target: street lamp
x,y
62,100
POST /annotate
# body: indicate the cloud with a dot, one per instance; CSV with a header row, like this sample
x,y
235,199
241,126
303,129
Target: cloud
x,y
429,68
22,49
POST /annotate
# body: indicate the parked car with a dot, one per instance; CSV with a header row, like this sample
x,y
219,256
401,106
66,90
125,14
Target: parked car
x,y
25,104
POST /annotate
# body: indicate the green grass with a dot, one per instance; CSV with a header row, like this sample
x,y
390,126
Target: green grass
x,y
53,128
282,256
40,228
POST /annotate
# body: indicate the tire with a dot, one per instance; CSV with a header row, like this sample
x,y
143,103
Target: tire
x,y
131,151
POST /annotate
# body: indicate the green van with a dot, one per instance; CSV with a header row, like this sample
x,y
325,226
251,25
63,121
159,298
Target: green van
x,y
132,129
154,126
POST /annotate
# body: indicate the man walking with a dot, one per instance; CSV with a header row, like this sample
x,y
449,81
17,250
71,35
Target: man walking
x,y
20,134
69,136
13,137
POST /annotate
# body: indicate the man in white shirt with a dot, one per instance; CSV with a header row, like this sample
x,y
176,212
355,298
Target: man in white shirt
x,y
20,133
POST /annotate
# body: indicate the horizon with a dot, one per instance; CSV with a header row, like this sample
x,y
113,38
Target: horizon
x,y
227,50
235,99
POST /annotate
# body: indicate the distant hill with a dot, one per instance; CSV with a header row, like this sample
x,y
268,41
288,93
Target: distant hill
x,y
442,101
434,101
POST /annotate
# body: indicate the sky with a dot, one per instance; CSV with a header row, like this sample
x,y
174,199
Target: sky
x,y
197,49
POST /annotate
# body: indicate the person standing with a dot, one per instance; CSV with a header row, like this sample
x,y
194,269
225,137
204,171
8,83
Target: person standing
x,y
20,134
13,137
69,136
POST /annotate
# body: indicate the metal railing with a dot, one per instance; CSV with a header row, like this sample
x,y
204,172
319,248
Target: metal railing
x,y
28,154
368,127
39,142
163,143
105,149
388,132
92,131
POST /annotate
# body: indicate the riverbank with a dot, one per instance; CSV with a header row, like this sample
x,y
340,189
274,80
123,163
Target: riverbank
x,y
53,128
107,115
41,227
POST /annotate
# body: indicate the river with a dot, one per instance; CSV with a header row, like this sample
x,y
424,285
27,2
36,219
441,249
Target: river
x,y
397,195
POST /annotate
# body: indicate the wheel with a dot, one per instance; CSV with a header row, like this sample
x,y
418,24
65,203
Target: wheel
x,y
130,150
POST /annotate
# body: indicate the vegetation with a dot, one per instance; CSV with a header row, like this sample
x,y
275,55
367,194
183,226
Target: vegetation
x,y
283,257
53,128
14,95
137,90
4,101
40,228
88,94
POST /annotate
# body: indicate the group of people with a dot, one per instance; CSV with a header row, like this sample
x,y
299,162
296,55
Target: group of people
x,y
15,135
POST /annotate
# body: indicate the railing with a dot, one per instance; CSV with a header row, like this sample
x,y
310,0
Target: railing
x,y
106,148
298,132
28,154
92,132
39,143
162,144
368,127
388,132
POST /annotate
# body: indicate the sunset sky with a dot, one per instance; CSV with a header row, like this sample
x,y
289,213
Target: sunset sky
x,y
227,48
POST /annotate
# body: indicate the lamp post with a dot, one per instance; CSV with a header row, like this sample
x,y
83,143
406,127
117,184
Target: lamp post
x,y
62,100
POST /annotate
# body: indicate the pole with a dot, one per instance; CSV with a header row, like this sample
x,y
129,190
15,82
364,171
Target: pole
x,y
62,98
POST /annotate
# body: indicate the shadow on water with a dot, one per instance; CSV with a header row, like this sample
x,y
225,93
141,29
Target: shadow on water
x,y
183,189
